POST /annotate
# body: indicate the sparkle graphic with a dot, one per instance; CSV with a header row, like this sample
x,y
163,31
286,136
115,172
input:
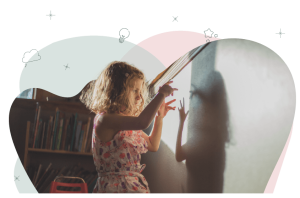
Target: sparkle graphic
x,y
50,15
208,33
66,66
17,178
175,18
280,33
207,40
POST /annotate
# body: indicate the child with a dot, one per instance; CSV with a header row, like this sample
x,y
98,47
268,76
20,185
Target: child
x,y
118,97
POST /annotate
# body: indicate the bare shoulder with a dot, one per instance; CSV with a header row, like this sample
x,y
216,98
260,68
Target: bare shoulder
x,y
118,122
102,129
108,121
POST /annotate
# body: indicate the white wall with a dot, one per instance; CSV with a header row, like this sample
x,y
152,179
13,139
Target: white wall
x,y
240,116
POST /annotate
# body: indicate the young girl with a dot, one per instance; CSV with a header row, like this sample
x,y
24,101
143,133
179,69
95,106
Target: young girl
x,y
118,97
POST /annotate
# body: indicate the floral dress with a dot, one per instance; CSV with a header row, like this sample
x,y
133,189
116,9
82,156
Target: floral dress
x,y
118,162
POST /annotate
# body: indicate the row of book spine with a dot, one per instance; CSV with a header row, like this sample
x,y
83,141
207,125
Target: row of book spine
x,y
60,133
42,178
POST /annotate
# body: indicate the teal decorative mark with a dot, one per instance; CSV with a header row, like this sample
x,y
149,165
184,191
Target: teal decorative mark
x,y
29,52
66,66
17,178
50,15
122,36
175,18
280,33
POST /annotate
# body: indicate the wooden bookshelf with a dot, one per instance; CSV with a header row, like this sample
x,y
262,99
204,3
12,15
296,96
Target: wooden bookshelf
x,y
22,115
29,151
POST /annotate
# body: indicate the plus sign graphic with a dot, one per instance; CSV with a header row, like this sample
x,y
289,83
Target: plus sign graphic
x,y
280,33
50,15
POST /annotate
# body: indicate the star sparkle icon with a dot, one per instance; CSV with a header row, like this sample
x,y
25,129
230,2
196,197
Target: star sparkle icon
x,y
175,19
66,66
280,33
208,32
50,15
17,178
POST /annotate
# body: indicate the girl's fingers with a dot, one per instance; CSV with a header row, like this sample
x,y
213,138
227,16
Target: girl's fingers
x,y
180,104
170,101
183,102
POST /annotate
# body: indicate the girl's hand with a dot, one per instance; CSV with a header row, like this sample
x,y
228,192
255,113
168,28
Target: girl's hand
x,y
164,108
182,114
166,89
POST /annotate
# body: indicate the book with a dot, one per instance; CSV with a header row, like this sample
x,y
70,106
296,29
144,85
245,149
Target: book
x,y
43,177
86,135
82,175
55,128
94,176
88,178
33,126
52,130
78,174
89,140
69,133
57,173
36,126
51,141
73,132
92,185
48,179
169,73
30,172
46,134
64,135
30,135
34,176
38,133
77,135
58,141
73,173
57,179
80,136
93,179
62,130
43,134
68,173
83,129
37,174
87,174
67,146
35,168
46,186
83,137
48,139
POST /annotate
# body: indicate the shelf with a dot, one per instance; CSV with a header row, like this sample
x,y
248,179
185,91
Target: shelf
x,y
73,107
58,152
48,108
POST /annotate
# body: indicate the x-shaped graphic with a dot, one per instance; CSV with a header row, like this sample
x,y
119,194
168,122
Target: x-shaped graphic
x,y
175,18
66,66
17,178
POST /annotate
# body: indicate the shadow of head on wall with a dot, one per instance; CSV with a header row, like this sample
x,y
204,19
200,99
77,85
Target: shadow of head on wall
x,y
208,132
209,110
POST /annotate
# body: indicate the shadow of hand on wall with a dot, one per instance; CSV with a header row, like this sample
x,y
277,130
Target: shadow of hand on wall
x,y
208,132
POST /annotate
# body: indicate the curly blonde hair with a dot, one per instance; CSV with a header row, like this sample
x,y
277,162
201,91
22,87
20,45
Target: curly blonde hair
x,y
110,90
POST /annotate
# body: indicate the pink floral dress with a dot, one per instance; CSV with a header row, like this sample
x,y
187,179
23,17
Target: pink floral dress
x,y
118,162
